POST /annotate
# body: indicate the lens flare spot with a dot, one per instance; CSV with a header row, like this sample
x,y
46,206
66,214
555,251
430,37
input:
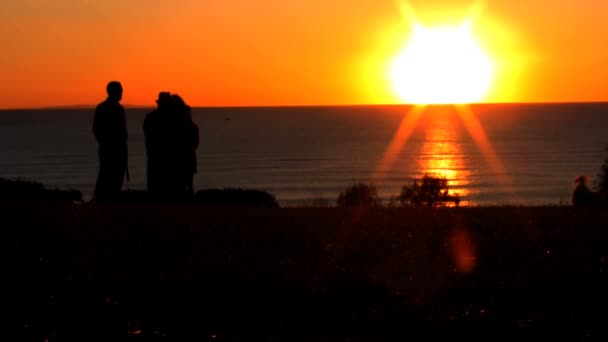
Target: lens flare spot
x,y
463,251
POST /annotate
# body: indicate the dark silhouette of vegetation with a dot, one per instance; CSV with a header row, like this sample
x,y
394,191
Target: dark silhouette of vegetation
x,y
135,197
583,196
208,197
21,191
359,195
235,198
136,274
429,191
320,202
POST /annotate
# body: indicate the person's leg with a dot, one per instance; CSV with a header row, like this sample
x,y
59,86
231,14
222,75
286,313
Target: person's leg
x,y
118,178
190,183
109,182
101,187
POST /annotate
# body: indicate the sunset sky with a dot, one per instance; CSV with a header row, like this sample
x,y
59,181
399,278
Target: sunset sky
x,y
277,52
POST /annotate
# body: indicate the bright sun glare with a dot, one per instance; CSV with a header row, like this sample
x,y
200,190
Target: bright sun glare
x,y
442,65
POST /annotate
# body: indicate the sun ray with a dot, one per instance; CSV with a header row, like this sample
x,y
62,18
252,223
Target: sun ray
x,y
407,11
478,133
473,127
476,10
403,133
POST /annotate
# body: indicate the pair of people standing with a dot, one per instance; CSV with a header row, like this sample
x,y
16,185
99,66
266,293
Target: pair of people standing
x,y
171,141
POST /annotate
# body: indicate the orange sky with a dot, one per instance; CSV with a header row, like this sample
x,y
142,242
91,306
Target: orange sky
x,y
276,52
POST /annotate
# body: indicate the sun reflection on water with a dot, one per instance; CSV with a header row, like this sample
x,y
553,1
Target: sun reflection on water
x,y
442,155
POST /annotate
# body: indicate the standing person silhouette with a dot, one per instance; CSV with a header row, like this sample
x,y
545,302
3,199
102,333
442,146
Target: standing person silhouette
x,y
110,129
162,175
189,140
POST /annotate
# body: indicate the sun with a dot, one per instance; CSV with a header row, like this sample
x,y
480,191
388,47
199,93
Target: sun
x,y
442,65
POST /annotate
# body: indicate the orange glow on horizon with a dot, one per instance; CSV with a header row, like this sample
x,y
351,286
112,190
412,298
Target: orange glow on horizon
x,y
273,52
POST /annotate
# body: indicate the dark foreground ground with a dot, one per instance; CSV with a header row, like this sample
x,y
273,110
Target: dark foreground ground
x,y
186,273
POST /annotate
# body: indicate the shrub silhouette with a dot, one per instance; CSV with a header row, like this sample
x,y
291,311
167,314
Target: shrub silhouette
x,y
235,198
319,202
134,197
21,191
359,195
209,197
428,191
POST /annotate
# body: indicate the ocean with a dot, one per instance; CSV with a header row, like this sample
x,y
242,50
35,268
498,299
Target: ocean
x,y
519,154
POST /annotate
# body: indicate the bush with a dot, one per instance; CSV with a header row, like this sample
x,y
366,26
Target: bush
x,y
21,191
359,195
133,197
235,198
429,191
319,202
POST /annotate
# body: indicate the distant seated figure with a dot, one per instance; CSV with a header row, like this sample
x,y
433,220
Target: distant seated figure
x,y
583,196
110,129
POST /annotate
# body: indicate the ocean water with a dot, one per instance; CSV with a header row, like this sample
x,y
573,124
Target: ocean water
x,y
526,154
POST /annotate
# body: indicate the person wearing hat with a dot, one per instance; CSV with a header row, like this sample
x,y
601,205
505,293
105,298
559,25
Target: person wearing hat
x,y
110,129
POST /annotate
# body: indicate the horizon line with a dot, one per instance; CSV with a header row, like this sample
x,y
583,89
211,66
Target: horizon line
x,y
140,106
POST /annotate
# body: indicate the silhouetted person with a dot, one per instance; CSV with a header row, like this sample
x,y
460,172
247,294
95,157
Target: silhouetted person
x,y
190,141
155,149
583,196
166,145
110,129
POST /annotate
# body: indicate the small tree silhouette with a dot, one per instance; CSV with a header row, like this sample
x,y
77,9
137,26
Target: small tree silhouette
x,y
429,191
359,195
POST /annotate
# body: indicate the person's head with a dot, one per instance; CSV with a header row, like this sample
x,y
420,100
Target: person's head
x,y
114,90
164,99
581,181
178,102
181,106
